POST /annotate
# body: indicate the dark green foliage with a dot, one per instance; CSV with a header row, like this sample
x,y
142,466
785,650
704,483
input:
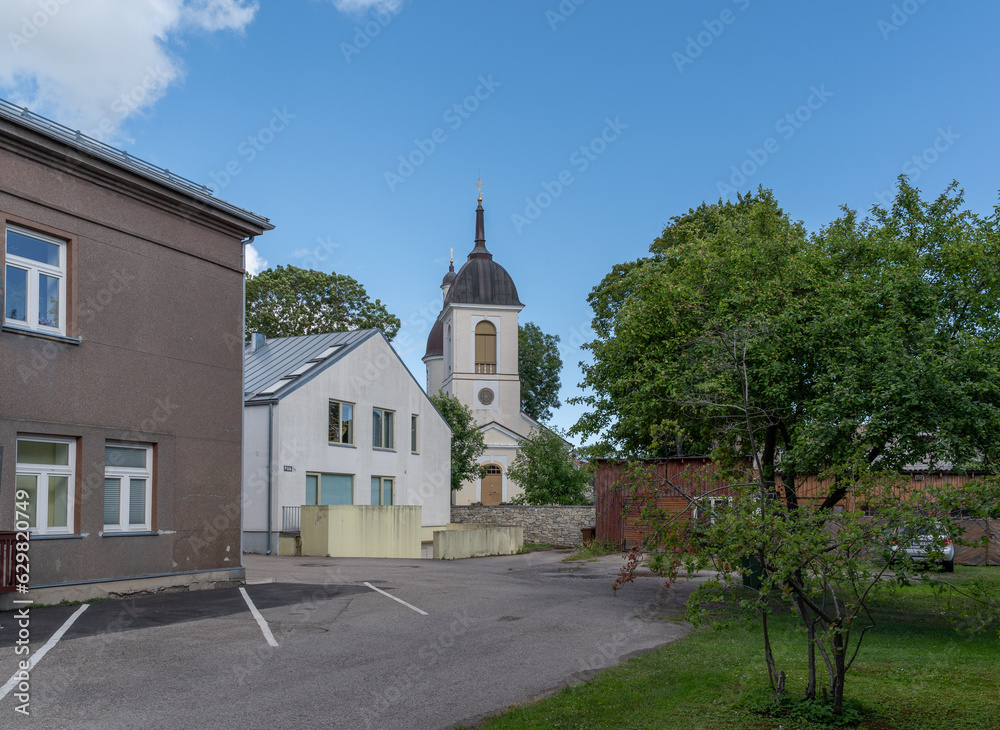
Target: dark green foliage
x,y
288,301
539,365
760,702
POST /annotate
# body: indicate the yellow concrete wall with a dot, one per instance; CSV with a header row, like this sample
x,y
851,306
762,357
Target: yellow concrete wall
x,y
427,533
289,545
360,531
477,542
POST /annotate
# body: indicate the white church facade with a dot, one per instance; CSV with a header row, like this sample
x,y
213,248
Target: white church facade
x,y
472,354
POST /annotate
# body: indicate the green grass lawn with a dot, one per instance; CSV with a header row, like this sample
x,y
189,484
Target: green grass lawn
x,y
915,670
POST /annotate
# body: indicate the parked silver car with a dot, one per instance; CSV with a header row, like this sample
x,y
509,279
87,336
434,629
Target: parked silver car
x,y
927,547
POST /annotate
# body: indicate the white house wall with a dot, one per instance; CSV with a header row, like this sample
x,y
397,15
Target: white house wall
x,y
370,376
255,480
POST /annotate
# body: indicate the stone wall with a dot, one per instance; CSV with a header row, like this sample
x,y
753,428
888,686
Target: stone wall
x,y
545,525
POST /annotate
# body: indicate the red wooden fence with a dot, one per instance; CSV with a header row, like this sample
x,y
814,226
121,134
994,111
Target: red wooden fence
x,y
622,488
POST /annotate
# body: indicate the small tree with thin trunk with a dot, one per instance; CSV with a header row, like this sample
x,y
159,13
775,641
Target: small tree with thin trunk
x,y
825,565
548,472
467,443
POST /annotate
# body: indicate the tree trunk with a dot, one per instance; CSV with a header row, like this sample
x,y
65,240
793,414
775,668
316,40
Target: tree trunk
x,y
791,497
811,686
839,660
777,683
811,635
767,458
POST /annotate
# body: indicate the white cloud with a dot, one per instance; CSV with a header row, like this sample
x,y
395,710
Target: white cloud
x,y
356,7
93,64
254,262
213,15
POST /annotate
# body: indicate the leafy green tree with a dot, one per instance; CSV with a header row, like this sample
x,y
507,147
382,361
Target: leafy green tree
x,y
842,356
547,471
539,365
287,301
869,343
467,443
817,562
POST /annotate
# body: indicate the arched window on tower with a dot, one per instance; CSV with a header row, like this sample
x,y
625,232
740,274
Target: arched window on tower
x,y
486,348
447,350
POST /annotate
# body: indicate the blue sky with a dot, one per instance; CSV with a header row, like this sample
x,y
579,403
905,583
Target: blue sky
x,y
592,123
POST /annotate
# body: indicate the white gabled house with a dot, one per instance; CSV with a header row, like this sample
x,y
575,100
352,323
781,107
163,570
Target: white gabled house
x,y
337,419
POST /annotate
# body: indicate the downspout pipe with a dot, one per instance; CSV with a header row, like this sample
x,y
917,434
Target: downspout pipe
x,y
270,469
243,375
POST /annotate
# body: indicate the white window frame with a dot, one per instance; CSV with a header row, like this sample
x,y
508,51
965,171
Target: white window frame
x,y
42,472
387,434
126,474
709,509
33,270
414,433
381,491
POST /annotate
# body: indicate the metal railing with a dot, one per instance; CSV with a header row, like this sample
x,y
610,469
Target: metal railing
x,y
291,518
8,550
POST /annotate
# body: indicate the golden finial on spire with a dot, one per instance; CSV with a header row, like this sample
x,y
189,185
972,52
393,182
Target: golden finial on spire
x,y
479,187
452,250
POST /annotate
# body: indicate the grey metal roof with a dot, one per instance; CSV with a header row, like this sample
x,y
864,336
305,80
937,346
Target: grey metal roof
x,y
280,357
122,159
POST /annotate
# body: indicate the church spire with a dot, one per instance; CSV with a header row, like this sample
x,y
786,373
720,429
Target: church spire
x,y
480,251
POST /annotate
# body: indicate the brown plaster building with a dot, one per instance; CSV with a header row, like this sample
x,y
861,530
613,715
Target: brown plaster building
x,y
120,365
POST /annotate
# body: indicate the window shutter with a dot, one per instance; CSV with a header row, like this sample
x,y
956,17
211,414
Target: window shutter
x,y
112,501
137,502
125,457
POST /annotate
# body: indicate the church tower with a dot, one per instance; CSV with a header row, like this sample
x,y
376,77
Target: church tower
x,y
472,354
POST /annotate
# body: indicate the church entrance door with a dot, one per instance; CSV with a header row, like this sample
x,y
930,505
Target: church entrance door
x,y
491,488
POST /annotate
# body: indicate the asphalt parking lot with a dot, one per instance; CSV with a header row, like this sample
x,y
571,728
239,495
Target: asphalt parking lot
x,y
340,643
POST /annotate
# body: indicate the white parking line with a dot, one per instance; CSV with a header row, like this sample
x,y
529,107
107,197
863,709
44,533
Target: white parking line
x,y
422,613
260,619
37,656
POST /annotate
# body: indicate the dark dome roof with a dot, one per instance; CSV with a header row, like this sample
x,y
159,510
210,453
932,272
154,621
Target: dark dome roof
x,y
450,276
435,340
483,281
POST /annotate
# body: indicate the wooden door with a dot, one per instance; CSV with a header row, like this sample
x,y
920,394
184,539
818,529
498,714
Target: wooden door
x,y
491,489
